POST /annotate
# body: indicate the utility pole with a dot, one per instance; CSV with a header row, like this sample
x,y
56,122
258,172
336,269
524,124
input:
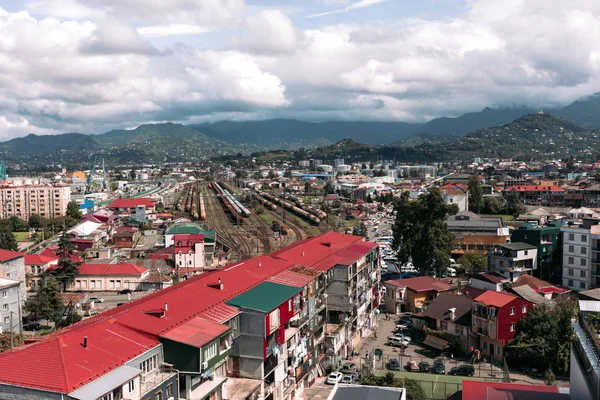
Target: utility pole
x,y
12,333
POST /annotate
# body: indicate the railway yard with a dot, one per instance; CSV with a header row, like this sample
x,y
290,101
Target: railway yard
x,y
246,231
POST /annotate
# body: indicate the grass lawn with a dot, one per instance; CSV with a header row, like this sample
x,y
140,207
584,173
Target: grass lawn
x,y
313,229
21,236
268,218
436,386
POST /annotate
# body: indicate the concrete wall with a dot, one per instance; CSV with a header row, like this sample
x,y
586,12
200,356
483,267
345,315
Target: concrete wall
x,y
18,393
13,304
14,270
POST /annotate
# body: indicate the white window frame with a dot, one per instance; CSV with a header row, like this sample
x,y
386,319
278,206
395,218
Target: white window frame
x,y
512,311
210,351
512,327
524,309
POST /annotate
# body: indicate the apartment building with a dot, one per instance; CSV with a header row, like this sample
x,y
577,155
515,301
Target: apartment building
x,y
513,260
585,350
473,233
12,267
251,330
36,266
10,305
49,201
581,257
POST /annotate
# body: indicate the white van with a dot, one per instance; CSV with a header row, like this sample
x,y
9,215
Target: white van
x,y
451,272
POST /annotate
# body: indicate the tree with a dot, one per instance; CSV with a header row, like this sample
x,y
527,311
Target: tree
x,y
271,174
543,338
67,268
492,205
421,233
47,303
475,194
5,340
73,211
7,239
18,225
287,173
474,263
132,174
513,204
36,221
160,207
414,390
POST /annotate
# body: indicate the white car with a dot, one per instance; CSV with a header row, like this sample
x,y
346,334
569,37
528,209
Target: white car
x,y
96,300
403,337
334,378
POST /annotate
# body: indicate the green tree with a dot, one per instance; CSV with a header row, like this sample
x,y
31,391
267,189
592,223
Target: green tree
x,y
492,205
73,211
414,390
18,225
474,263
475,195
66,270
421,233
7,238
36,221
514,206
543,338
160,207
287,173
47,303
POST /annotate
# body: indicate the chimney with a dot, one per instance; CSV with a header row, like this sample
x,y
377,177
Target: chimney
x,y
302,253
259,264
166,306
85,342
452,312
221,286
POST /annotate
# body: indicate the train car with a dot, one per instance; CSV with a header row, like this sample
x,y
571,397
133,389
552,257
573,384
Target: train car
x,y
291,207
202,209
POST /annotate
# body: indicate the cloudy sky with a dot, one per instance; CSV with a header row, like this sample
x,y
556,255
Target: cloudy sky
x,y
93,65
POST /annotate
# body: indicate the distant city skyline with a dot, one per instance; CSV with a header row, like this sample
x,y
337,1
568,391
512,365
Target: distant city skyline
x,y
93,65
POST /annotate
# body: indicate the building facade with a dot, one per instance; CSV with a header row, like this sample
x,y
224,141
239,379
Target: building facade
x,y
48,201
547,239
580,255
12,267
513,260
10,305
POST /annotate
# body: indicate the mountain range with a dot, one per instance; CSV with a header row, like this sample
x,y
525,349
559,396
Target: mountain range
x,y
170,142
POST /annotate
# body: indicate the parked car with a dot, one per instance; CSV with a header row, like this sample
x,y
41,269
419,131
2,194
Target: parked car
x,y
424,366
348,368
393,365
32,326
334,378
397,342
438,367
96,299
464,370
403,336
412,366
348,379
126,291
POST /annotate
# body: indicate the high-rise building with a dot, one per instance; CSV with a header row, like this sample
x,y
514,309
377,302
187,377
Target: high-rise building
x,y
49,201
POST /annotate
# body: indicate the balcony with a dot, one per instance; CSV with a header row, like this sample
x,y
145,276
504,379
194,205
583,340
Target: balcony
x,y
151,381
207,387
270,363
297,323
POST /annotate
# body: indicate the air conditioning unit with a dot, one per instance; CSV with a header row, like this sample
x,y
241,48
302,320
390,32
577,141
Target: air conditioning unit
x,y
205,365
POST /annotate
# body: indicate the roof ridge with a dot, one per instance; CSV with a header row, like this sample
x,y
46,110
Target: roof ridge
x,y
59,341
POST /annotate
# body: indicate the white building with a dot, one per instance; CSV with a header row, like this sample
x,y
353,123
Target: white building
x,y
455,195
581,255
512,260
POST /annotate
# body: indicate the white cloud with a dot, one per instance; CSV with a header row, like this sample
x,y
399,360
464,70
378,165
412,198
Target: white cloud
x,y
270,32
353,6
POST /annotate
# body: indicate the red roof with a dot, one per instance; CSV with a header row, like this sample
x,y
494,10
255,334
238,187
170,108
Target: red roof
x,y
422,284
129,229
481,390
38,259
107,269
6,255
533,188
131,203
196,332
498,299
59,363
292,279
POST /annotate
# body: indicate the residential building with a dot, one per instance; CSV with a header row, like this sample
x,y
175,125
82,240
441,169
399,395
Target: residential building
x,y
125,236
190,228
343,391
12,267
178,342
188,253
455,194
134,208
473,233
580,257
49,201
10,305
544,195
513,260
36,266
585,361
413,294
547,239
106,277
546,289
488,281
452,314
494,319
87,235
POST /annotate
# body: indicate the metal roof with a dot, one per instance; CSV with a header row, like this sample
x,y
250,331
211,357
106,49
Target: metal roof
x,y
265,297
196,332
518,246
589,305
359,392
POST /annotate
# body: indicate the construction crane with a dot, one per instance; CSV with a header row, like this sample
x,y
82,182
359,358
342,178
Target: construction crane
x,y
104,185
90,177
2,171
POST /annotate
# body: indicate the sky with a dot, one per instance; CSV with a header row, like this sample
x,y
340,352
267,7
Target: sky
x,y
94,65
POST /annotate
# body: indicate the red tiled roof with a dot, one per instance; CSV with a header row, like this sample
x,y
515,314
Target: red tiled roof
x,y
472,292
480,390
131,203
533,188
196,332
491,298
6,255
107,269
38,259
422,284
292,279
60,364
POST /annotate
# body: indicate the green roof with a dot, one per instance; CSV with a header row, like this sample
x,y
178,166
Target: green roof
x,y
518,246
265,297
190,228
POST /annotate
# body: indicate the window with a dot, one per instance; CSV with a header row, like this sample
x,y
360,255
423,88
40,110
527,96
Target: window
x,y
584,238
512,311
571,236
524,309
583,262
582,274
169,390
570,271
492,326
584,250
111,284
290,305
582,285
571,249
444,325
512,327
571,260
210,351
149,364
5,307
570,282
106,397
131,385
158,396
501,264
5,293
458,330
526,251
485,345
